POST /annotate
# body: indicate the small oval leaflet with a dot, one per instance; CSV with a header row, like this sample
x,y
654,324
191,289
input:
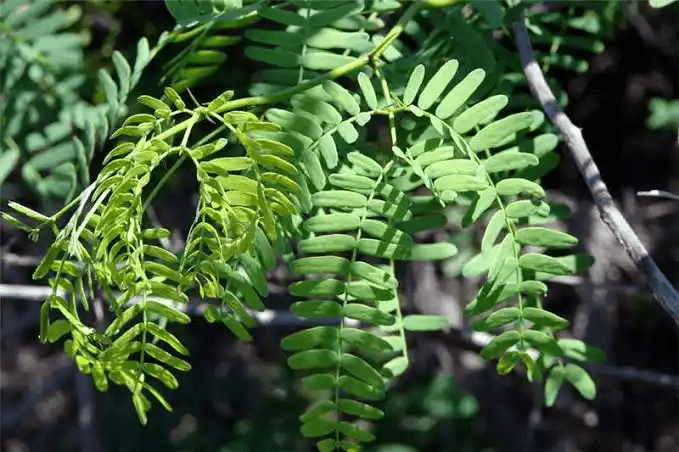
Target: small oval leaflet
x,y
437,84
425,322
499,344
543,342
543,318
509,160
317,288
515,186
413,85
312,337
312,359
549,238
542,263
316,308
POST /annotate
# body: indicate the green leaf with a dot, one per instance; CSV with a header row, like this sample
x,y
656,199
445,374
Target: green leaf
x,y
515,186
578,350
549,238
509,160
354,431
533,287
339,199
367,314
499,344
361,369
352,182
166,337
580,379
275,57
319,382
553,385
359,409
162,374
425,322
525,208
325,336
169,312
334,222
360,389
460,182
431,251
317,427
367,164
166,358
330,243
8,160
498,318
316,309
368,91
542,263
543,342
365,341
460,93
312,359
57,329
321,264
660,3
496,224
544,319
495,132
413,85
480,113
317,288
437,84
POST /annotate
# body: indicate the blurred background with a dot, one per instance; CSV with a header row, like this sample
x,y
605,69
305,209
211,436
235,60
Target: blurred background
x,y
241,397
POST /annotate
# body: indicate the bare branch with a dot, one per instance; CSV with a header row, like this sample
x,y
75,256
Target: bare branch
x,y
660,287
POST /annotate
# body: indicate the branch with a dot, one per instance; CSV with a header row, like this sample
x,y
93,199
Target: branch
x,y
660,287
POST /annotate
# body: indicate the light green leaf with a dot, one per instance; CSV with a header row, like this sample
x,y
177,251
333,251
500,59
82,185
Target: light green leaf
x,y
333,222
498,318
480,113
578,350
580,380
460,93
425,322
367,314
495,132
339,199
330,243
514,186
543,342
321,264
413,85
460,182
542,263
368,91
553,385
437,84
509,160
549,238
431,252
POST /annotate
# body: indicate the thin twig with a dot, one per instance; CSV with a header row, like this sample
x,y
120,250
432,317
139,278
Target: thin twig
x,y
660,287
